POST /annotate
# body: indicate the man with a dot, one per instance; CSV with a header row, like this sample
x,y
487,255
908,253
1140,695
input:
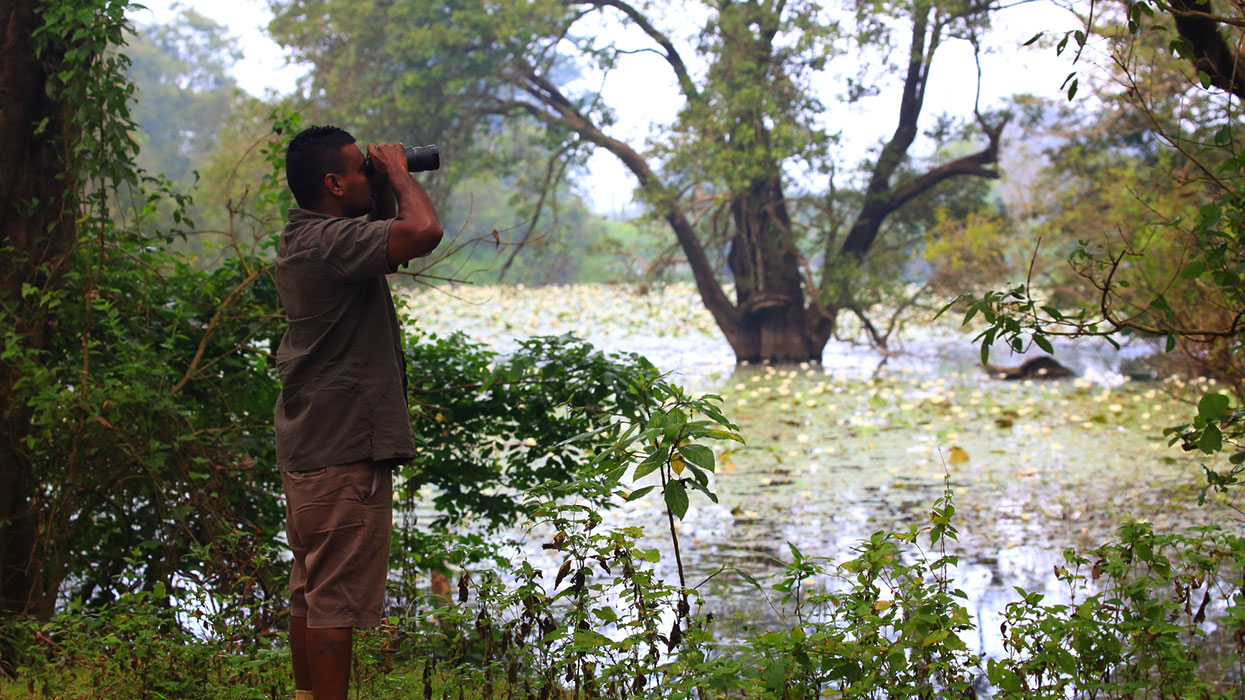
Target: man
x,y
341,419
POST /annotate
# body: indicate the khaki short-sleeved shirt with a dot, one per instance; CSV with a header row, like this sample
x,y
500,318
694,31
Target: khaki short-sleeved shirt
x,y
343,373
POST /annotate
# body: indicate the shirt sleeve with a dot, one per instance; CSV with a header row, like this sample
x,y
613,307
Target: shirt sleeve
x,y
356,249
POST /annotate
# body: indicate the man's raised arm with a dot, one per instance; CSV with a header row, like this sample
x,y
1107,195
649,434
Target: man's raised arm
x,y
415,231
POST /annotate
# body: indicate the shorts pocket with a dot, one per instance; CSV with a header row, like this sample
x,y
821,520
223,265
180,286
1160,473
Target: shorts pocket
x,y
375,483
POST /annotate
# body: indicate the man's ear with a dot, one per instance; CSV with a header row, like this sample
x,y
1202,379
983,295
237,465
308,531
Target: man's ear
x,y
334,185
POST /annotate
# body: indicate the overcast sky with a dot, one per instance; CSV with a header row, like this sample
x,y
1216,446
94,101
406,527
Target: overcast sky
x,y
1010,70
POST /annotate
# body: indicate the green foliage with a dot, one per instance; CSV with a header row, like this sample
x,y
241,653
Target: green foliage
x,y
1136,621
489,427
1156,208
143,423
91,87
149,395
164,640
1151,614
885,623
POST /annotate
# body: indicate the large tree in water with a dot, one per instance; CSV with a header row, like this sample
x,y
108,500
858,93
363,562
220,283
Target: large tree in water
x,y
721,175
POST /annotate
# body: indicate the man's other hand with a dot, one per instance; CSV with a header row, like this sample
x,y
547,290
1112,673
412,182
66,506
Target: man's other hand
x,y
388,163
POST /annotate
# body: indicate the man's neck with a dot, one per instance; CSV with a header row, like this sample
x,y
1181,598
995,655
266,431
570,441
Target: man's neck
x,y
328,207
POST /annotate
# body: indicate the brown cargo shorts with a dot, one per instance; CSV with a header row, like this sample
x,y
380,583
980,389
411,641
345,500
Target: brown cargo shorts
x,y
338,521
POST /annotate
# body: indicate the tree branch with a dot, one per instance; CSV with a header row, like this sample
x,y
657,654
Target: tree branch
x,y
565,114
974,164
551,169
672,55
213,325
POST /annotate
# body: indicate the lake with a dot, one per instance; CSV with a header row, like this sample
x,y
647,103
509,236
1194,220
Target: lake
x,y
839,450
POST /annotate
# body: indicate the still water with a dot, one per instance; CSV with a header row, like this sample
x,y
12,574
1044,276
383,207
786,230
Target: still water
x,y
866,441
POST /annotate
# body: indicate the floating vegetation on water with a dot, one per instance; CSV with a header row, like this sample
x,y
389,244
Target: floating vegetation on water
x,y
838,450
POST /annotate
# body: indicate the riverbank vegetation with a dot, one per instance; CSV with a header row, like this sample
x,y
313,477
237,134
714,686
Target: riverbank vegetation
x,y
1158,614
611,533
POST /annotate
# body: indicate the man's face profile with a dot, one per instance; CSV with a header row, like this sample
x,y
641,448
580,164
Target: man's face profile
x,y
351,187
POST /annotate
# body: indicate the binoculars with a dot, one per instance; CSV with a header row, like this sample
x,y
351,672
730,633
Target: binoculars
x,y
418,159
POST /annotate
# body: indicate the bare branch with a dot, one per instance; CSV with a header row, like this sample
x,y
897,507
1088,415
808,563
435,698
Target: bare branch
x,y
564,113
974,164
550,170
671,54
214,324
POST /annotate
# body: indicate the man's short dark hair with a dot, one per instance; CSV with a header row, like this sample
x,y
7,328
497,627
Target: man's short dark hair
x,y
314,152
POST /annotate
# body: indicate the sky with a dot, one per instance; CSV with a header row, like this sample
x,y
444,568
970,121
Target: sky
x,y
1011,69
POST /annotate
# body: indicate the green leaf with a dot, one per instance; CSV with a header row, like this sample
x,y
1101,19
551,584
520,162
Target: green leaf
x,y
676,498
651,463
1035,38
972,311
590,639
775,676
640,493
1181,47
1193,270
1043,343
749,578
1211,406
1212,440
581,436
945,308
649,555
699,455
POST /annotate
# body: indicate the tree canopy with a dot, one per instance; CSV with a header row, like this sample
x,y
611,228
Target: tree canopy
x,y
721,177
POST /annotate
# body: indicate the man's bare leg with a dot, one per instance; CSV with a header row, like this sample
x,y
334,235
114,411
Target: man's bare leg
x,y
328,659
298,653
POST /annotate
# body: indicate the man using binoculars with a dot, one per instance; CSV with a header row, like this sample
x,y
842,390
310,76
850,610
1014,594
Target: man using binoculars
x,y
341,419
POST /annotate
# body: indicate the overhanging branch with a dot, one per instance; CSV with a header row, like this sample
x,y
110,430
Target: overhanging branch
x,y
671,54
559,110
974,164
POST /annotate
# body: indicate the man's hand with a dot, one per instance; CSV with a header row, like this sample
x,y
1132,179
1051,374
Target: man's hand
x,y
388,163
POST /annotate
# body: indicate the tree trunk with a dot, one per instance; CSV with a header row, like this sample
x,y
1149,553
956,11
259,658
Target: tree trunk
x,y
779,334
779,313
37,225
773,321
1212,54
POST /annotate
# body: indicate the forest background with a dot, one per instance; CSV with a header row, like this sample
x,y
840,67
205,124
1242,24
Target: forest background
x,y
141,203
